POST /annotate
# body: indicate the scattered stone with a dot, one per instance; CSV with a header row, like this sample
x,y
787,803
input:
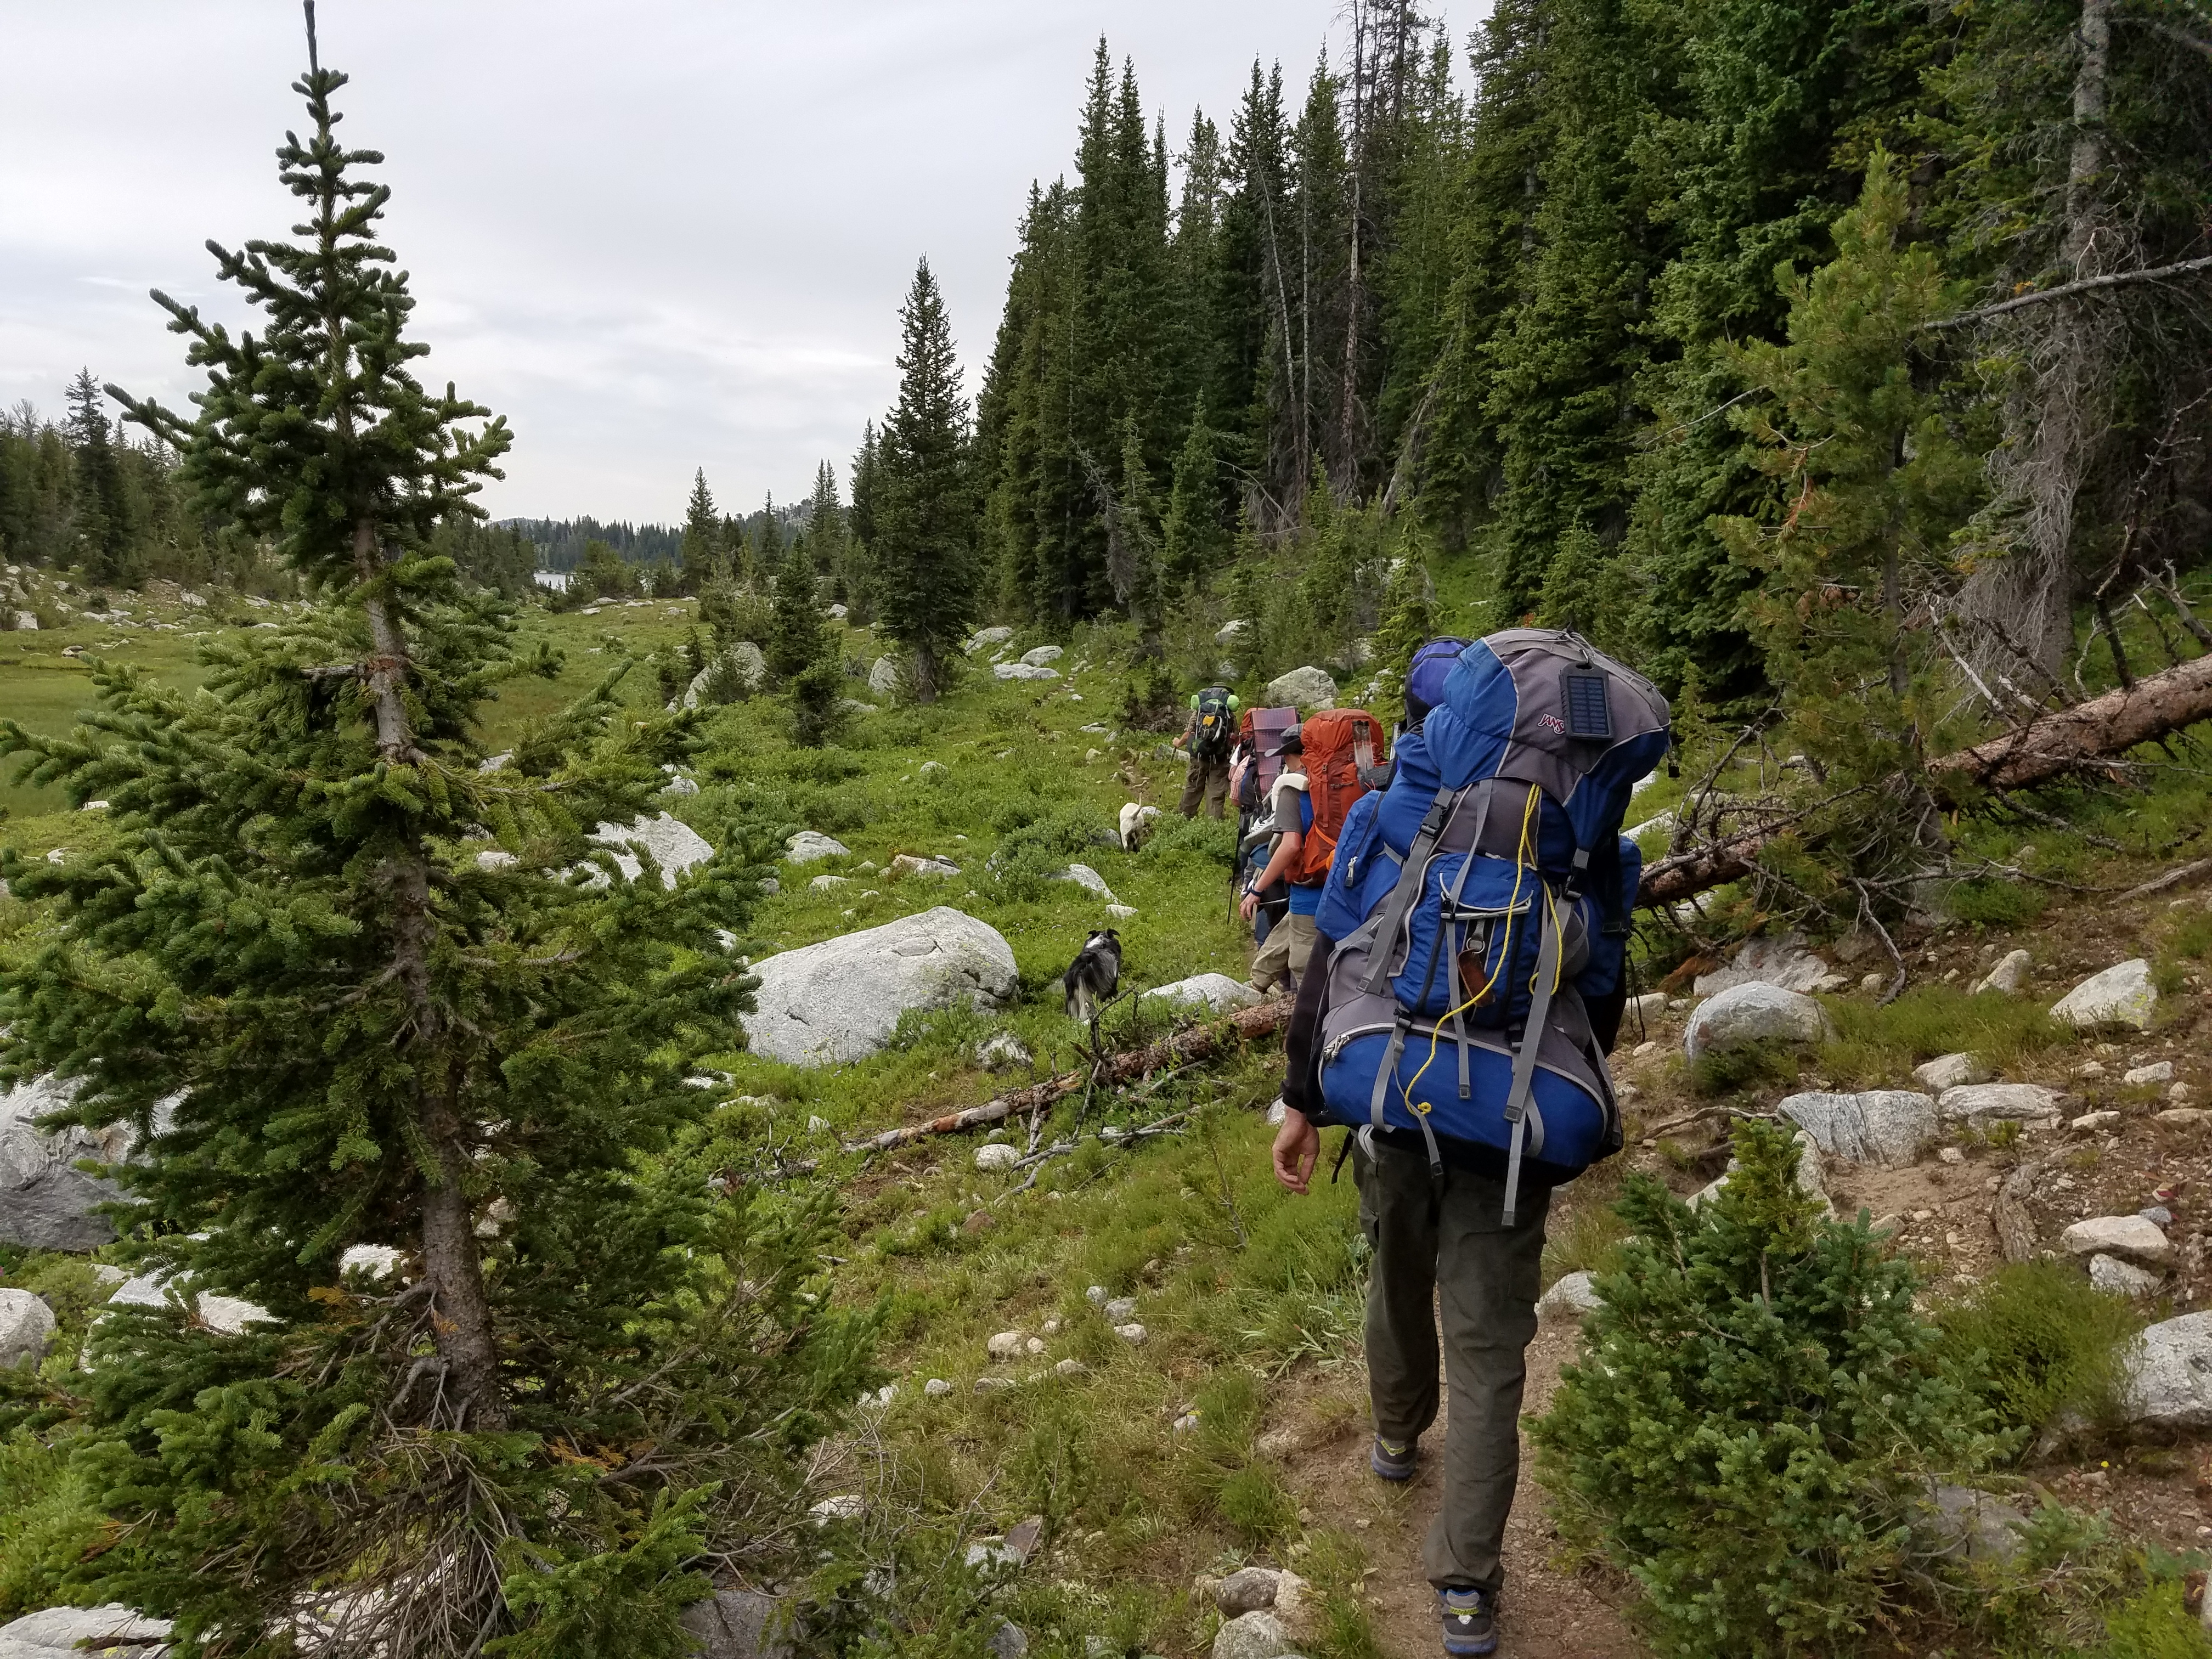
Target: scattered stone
x,y
817,1124
2121,996
1307,688
371,1262
1953,1155
1783,962
2008,976
1043,656
2109,1273
983,636
1976,1526
27,1325
45,1202
1873,984
1034,1345
1089,879
1881,1126
809,846
671,841
2165,1380
829,883
910,863
2180,1117
1952,1072
1133,1334
2136,1077
114,1630
1252,1635
2089,1070
840,1000
1745,1014
2157,1214
1571,1298
771,884
1002,1051
1215,993
883,678
846,1506
1248,1589
1229,632
1649,1006
2177,1093
1095,1296
1072,1368
1642,1050
992,1384
980,1221
936,1388
1006,1344
1021,671
1121,912
930,771
1009,1641
737,1624
227,1316
1187,1423
2128,1236
1983,1103
1120,1309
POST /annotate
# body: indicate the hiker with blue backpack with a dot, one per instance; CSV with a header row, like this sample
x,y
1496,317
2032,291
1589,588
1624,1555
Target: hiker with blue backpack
x,y
1468,979
1207,737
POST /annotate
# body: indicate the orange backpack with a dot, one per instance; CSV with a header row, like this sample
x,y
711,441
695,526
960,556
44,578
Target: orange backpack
x,y
1340,744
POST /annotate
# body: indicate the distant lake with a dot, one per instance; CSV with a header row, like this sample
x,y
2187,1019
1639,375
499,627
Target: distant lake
x,y
556,579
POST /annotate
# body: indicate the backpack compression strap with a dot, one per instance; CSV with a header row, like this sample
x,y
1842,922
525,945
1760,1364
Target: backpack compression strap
x,y
1410,876
1524,1056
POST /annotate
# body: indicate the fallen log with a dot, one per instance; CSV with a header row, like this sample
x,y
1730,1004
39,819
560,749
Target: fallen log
x,y
2044,749
1197,1042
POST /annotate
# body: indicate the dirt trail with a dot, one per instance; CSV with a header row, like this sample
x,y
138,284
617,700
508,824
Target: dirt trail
x,y
1547,1613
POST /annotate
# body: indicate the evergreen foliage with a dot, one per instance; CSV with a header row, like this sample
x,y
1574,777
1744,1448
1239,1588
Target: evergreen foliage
x,y
330,1021
1757,1407
704,552
922,554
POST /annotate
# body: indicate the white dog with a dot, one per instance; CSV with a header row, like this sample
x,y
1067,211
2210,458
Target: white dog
x,y
1136,825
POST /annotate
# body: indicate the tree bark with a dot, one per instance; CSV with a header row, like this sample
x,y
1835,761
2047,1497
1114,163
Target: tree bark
x,y
2100,729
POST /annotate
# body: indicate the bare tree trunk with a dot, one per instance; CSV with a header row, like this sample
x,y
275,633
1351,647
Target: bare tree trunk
x,y
2056,419
454,1266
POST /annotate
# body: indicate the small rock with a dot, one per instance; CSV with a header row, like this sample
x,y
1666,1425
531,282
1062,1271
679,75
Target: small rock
x,y
1881,1125
1042,656
1002,1051
111,1631
1095,1296
2177,1093
1649,1006
1009,1641
2166,1375
1783,962
1120,1309
1745,1014
1215,993
937,1388
2121,995
26,1326
1951,1155
846,1506
1034,1345
1873,984
2008,976
1307,688
1187,1423
1133,1334
2157,1214
1072,1368
1006,1344
2128,1236
1121,912
910,863
1052,1328
1952,1072
2109,1273
1089,879
1572,1297
2158,1072
1021,671
1976,1525
2180,1117
998,1155
1983,1103
980,1221
2091,1122
992,1384
829,883
807,847
1252,1635
1648,1047
1248,1589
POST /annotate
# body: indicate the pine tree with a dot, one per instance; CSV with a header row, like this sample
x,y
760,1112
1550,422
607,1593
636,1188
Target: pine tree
x,y
329,1021
825,524
923,558
1194,538
102,531
856,579
796,636
702,559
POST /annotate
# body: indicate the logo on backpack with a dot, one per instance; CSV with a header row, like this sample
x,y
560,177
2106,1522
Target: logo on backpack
x,y
1481,899
1213,727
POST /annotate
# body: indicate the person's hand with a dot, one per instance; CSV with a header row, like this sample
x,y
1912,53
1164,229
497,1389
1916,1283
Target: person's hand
x,y
1249,906
1297,1149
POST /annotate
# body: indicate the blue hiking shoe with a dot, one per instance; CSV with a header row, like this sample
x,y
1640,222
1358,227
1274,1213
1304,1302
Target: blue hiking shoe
x,y
1392,1460
1469,1627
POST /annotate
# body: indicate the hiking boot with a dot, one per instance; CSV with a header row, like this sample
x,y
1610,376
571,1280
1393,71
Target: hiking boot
x,y
1469,1629
1393,1460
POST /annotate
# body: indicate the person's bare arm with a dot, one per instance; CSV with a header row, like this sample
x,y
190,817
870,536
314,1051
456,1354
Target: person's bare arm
x,y
1286,854
1297,1149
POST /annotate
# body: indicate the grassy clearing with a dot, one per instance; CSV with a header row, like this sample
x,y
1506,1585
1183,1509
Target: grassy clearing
x,y
1878,1047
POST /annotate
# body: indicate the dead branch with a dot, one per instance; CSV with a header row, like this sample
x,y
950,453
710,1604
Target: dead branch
x,y
2171,879
2068,290
2008,1216
2091,734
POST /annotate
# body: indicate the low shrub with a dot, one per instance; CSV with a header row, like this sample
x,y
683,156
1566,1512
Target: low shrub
x,y
1878,1045
1756,1410
2042,1342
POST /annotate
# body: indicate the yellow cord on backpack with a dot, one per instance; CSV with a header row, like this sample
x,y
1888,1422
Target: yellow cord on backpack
x,y
1523,859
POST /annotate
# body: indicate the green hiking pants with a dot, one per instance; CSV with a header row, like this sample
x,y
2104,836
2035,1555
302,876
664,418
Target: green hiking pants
x,y
1446,1251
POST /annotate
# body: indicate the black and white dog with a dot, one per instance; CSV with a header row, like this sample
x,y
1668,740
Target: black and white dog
x,y
1093,977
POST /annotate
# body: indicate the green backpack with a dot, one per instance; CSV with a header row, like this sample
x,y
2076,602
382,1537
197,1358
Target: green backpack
x,y
1214,730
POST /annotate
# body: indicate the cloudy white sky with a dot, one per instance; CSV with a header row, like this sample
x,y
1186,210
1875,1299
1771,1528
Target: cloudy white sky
x,y
656,234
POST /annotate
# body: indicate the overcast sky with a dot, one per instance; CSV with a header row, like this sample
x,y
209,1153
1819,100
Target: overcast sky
x,y
654,235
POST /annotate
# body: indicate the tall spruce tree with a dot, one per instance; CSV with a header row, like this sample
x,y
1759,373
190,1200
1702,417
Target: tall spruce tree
x,y
331,1020
702,558
923,558
100,521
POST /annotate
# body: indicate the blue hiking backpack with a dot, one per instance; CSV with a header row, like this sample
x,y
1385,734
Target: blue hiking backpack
x,y
1476,903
